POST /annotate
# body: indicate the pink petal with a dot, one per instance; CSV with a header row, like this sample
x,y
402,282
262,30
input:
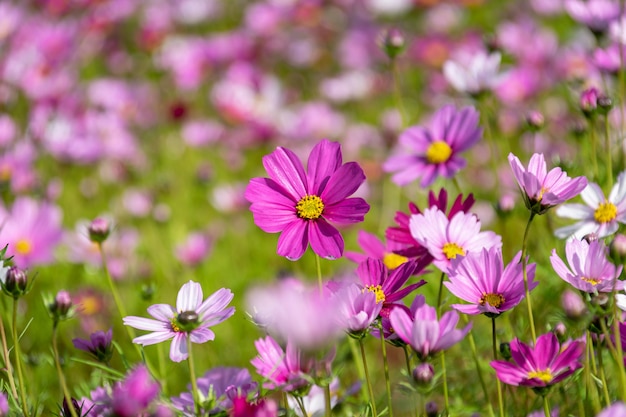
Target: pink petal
x,y
284,167
348,211
189,297
343,183
326,241
294,240
324,160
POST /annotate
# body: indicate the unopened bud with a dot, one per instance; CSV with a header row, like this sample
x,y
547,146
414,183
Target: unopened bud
x,y
61,307
505,351
573,305
617,249
605,104
392,42
589,101
535,120
432,410
99,230
560,331
423,374
16,282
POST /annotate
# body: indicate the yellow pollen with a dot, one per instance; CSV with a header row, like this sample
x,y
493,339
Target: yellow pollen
x,y
90,305
545,375
393,260
592,281
605,212
310,207
494,300
378,290
23,246
451,250
438,152
175,326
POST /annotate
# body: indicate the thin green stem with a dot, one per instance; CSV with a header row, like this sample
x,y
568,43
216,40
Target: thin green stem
x,y
618,346
525,274
445,384
57,362
301,405
594,145
7,361
397,92
359,364
18,361
386,367
609,156
546,406
367,378
590,386
319,274
440,294
192,376
605,388
327,405
479,371
495,357
455,181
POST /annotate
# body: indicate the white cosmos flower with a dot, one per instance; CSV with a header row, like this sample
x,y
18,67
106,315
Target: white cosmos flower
x,y
599,215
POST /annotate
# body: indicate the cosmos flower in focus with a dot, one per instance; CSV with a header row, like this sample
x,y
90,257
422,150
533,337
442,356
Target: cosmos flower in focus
x,y
300,205
432,151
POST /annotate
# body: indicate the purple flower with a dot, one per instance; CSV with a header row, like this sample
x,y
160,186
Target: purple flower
x,y
300,205
357,308
590,271
374,248
4,404
134,394
541,189
427,335
99,345
191,319
545,364
433,150
283,369
596,14
195,249
387,285
32,231
615,410
222,384
481,279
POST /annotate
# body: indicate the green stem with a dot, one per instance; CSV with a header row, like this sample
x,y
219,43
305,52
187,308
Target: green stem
x,y
301,405
481,379
440,294
594,145
367,378
18,361
592,392
319,274
618,346
445,384
7,360
605,388
455,181
397,92
328,406
359,364
609,157
57,362
495,357
386,367
192,375
546,406
525,274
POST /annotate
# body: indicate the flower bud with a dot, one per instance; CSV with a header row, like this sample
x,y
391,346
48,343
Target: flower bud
x,y
99,230
505,350
61,307
423,374
15,282
605,104
432,410
589,101
560,331
392,42
617,249
573,305
535,120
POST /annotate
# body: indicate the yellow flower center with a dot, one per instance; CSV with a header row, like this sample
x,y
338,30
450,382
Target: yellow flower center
x,y
544,375
494,300
393,260
451,250
90,305
378,290
175,326
605,212
23,246
310,207
438,152
592,281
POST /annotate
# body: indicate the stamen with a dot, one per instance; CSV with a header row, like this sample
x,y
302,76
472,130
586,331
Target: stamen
x,y
393,260
438,152
451,250
310,207
606,212
494,300
544,375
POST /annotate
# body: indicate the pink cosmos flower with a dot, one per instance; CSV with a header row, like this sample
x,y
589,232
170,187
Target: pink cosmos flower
x,y
596,14
617,409
195,249
32,230
300,205
545,364
590,271
424,332
375,248
357,308
446,238
284,369
481,279
432,151
402,232
541,189
599,215
191,318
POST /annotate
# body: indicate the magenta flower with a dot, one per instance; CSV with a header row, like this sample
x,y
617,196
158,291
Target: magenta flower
x,y
433,151
600,215
402,232
545,364
32,230
481,279
595,14
387,285
617,409
590,270
374,248
542,189
283,369
300,205
446,238
191,319
357,308
223,384
427,335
